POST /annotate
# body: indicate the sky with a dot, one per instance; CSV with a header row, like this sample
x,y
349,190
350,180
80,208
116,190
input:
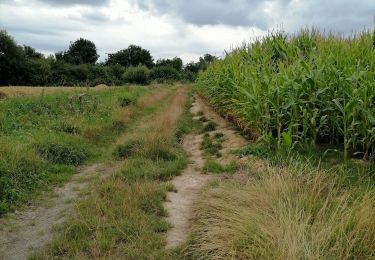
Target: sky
x,y
169,28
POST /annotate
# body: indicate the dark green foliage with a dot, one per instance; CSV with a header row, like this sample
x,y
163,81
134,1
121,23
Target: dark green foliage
x,y
30,52
175,63
81,51
203,119
131,57
164,73
138,75
209,126
11,59
69,152
23,65
219,135
128,149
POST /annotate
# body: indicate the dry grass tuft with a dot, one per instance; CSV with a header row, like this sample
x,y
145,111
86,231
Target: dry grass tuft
x,y
15,91
288,214
157,95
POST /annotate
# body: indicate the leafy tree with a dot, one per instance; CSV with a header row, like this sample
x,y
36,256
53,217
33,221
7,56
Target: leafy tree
x,y
30,52
132,56
11,60
202,64
176,63
81,51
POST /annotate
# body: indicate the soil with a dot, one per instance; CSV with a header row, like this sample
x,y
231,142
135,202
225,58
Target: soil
x,y
29,230
179,204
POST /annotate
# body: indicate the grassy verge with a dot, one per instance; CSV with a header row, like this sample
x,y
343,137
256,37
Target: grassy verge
x,y
44,137
122,216
296,206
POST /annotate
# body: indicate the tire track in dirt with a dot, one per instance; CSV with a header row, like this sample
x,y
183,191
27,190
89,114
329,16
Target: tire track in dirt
x,y
29,230
179,204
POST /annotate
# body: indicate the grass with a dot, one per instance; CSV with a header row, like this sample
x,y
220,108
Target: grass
x,y
211,166
123,214
45,136
212,145
298,212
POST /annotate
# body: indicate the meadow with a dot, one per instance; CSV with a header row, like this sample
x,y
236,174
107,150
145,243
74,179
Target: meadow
x,y
45,135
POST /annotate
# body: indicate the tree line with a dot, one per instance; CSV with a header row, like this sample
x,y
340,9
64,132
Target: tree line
x,y
78,65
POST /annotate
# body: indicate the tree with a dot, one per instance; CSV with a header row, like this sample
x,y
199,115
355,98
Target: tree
x,y
30,52
132,56
11,60
202,64
81,51
176,63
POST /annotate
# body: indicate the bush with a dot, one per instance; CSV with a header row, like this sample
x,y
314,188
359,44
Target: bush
x,y
138,75
164,73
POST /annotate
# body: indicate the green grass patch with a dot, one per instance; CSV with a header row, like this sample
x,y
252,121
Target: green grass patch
x,y
212,166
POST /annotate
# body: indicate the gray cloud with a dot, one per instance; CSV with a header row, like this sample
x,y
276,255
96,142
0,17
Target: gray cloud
x,y
75,2
212,12
336,15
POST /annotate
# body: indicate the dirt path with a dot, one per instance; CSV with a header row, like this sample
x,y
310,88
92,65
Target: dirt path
x,y
233,139
179,204
28,230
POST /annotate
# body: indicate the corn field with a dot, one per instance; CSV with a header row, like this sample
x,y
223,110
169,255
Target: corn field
x,y
306,89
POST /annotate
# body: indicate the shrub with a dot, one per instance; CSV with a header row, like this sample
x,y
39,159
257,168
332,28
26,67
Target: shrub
x,y
138,75
164,73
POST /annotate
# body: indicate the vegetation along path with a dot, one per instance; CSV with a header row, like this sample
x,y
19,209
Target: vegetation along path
x,y
179,204
29,230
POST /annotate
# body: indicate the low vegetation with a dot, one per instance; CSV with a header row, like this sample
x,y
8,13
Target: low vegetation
x,y
44,137
292,213
123,214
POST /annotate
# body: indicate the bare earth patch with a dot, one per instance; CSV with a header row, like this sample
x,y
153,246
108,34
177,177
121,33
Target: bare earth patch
x,y
29,230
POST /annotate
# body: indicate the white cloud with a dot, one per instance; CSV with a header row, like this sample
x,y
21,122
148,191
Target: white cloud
x,y
166,28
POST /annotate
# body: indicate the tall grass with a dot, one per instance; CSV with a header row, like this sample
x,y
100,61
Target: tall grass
x,y
304,89
291,213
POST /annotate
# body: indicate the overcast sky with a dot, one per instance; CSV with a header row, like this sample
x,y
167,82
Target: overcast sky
x,y
168,28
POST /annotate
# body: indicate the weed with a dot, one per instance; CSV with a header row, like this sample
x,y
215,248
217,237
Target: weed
x,y
71,153
209,127
128,149
211,166
211,147
203,119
